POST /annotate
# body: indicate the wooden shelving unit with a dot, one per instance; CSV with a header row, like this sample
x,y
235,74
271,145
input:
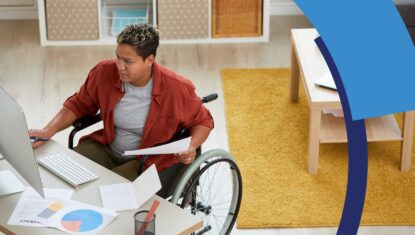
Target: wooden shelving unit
x,y
104,38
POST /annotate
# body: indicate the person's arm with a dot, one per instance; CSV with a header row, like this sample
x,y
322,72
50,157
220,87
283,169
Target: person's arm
x,y
62,120
199,134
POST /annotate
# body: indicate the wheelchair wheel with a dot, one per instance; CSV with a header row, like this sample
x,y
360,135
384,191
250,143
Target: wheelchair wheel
x,y
211,188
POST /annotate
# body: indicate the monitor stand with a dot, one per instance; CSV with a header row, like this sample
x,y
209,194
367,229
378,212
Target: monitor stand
x,y
9,183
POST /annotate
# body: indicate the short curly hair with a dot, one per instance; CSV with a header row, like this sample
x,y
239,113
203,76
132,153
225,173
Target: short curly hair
x,y
143,37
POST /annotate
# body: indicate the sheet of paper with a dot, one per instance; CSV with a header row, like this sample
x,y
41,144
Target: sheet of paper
x,y
173,147
118,197
75,217
146,185
30,204
129,196
326,81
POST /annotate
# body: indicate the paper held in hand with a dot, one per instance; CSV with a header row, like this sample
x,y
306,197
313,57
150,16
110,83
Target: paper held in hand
x,y
170,148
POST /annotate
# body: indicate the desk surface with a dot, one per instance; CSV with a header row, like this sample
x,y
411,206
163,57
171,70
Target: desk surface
x,y
170,218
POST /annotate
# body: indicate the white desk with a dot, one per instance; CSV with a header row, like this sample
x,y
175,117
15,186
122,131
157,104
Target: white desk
x,y
170,219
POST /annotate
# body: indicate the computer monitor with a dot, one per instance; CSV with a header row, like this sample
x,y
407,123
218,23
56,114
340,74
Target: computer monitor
x,y
15,145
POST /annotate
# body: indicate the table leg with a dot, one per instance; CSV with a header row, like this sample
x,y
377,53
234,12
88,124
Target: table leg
x,y
295,74
314,141
407,139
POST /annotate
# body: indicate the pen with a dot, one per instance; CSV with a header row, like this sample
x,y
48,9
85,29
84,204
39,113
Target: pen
x,y
35,139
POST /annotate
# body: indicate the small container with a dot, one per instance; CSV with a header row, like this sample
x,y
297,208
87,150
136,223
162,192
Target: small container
x,y
142,227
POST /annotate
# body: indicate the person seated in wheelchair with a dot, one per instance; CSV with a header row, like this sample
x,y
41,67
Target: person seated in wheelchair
x,y
141,103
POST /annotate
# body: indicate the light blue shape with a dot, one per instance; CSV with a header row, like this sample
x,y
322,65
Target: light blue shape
x,y
372,50
89,219
123,17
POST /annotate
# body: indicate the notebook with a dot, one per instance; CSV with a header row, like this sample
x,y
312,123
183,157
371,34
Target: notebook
x,y
326,81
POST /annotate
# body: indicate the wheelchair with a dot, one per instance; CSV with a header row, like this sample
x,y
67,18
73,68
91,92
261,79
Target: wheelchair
x,y
210,188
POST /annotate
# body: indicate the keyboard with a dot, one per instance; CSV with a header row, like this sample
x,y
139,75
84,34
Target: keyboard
x,y
67,169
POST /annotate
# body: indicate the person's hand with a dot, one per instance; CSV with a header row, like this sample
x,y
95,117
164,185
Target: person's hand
x,y
187,156
39,133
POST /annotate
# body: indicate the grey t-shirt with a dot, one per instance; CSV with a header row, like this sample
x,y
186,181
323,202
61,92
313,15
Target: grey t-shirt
x,y
130,115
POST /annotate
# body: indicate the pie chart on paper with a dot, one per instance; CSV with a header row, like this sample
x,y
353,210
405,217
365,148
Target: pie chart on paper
x,y
82,220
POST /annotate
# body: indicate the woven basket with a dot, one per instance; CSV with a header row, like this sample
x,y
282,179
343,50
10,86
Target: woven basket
x,y
236,18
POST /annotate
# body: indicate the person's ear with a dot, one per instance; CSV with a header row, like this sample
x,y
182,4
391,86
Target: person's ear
x,y
149,60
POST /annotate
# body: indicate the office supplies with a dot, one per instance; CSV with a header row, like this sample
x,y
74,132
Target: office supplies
x,y
35,139
326,81
15,144
142,225
180,223
149,217
67,169
173,147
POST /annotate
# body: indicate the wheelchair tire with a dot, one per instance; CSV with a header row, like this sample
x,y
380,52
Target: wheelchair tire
x,y
211,188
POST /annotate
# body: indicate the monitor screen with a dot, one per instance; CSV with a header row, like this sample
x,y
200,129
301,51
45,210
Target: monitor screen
x,y
15,143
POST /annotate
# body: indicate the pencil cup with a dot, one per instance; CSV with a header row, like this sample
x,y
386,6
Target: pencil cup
x,y
141,226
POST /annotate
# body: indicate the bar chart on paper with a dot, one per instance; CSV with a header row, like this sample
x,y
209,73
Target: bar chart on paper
x,y
82,220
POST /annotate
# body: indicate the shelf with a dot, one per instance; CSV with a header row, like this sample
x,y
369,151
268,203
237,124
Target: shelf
x,y
115,15
182,33
385,128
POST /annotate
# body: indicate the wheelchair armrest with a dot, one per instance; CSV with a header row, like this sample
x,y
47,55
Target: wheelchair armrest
x,y
86,121
209,98
81,124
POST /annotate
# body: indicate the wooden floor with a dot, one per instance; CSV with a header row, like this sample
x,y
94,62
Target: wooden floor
x,y
41,78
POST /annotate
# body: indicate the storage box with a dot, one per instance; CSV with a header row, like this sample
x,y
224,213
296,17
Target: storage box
x,y
236,18
183,19
72,19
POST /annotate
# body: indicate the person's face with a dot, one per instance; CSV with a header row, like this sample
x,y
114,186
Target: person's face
x,y
131,67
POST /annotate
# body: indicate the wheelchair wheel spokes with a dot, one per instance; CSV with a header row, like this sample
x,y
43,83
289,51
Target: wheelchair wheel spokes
x,y
214,195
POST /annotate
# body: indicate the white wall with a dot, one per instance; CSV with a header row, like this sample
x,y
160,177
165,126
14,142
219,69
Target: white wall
x,y
284,7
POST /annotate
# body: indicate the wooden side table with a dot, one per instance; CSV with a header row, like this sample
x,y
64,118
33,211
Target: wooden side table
x,y
308,63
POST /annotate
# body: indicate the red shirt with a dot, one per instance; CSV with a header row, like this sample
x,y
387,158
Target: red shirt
x,y
174,106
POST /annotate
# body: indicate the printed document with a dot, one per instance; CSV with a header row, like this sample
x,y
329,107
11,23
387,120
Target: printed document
x,y
173,147
75,217
30,204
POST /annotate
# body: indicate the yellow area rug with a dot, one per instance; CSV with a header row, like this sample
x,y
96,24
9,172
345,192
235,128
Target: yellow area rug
x,y
268,135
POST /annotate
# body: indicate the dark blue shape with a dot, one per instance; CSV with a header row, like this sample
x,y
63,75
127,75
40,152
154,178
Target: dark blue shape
x,y
357,146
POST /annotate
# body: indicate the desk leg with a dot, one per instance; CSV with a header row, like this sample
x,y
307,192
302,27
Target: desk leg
x,y
407,139
314,141
295,74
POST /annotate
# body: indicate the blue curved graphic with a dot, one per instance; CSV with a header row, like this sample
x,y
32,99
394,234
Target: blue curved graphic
x,y
357,147
370,54
373,51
